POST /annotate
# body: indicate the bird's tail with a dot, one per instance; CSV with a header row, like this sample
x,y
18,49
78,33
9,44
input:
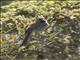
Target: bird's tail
x,y
24,43
26,38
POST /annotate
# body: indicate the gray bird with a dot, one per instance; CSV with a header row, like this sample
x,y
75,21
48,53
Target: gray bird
x,y
40,24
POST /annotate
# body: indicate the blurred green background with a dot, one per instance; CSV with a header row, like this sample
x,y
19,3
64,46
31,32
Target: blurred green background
x,y
61,41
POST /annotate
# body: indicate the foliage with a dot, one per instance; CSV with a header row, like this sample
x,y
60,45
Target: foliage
x,y
61,41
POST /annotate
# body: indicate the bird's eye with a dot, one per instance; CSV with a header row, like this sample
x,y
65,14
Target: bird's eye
x,y
42,21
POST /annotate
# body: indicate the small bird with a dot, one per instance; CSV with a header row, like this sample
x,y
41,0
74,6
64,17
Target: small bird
x,y
40,24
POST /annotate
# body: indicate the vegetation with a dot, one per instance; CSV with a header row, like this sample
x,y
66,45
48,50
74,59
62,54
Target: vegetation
x,y
61,41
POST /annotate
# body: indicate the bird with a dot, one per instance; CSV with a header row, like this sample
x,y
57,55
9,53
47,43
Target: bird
x,y
40,25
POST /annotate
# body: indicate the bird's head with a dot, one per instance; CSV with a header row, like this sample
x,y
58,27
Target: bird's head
x,y
41,19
